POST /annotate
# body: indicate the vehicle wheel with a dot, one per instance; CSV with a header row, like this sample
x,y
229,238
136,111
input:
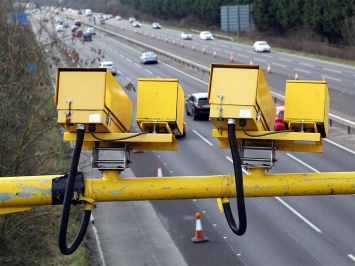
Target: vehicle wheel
x,y
187,112
194,116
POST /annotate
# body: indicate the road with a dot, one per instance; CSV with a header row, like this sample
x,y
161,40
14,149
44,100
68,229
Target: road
x,y
281,231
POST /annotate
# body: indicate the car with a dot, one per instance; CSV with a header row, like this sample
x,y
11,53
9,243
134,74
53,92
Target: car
x,y
206,35
78,33
91,31
102,21
279,120
60,28
131,19
156,25
148,57
86,36
261,46
110,65
185,36
74,28
136,24
77,23
59,21
109,16
197,105
66,24
118,18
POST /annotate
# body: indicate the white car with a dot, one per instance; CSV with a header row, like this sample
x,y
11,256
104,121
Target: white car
x,y
186,36
60,28
261,46
156,25
206,35
110,65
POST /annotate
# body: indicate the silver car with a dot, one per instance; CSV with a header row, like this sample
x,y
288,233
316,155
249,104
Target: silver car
x,y
110,65
186,36
148,57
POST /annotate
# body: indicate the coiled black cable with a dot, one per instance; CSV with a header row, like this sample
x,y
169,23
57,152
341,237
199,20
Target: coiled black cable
x,y
238,174
62,238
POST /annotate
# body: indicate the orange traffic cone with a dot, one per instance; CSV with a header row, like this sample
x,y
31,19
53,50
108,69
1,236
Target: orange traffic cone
x,y
160,172
173,42
214,54
193,47
296,76
231,59
268,69
166,39
199,236
203,50
182,44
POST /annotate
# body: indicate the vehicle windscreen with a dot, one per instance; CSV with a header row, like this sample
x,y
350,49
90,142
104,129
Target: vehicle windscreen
x,y
203,101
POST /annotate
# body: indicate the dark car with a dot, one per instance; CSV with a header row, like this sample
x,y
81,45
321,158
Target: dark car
x,y
197,105
86,36
279,120
77,23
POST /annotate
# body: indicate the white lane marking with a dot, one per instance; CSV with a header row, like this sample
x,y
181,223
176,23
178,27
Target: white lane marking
x,y
303,163
304,71
257,59
284,59
332,70
183,73
339,146
276,64
305,64
231,160
288,206
137,65
351,257
97,240
150,72
327,77
299,215
129,60
242,55
203,138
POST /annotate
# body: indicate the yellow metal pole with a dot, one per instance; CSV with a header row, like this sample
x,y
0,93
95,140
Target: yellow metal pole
x,y
37,190
26,190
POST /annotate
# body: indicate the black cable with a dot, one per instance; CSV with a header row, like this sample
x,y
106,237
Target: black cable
x,y
92,128
264,134
238,175
63,228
